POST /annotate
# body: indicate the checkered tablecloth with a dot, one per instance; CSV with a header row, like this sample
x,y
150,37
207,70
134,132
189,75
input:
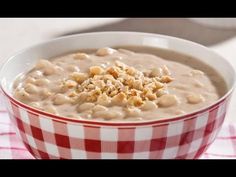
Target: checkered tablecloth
x,y
224,147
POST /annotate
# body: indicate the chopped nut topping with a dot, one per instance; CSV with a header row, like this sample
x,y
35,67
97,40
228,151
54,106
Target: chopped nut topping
x,y
135,101
96,70
79,77
114,71
166,71
70,83
119,99
131,71
166,79
118,84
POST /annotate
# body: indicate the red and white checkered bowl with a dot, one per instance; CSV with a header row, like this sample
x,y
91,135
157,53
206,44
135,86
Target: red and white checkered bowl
x,y
50,136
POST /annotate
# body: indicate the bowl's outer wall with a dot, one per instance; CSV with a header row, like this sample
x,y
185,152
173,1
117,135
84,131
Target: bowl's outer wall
x,y
49,138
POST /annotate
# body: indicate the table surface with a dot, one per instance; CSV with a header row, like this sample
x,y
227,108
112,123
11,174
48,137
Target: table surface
x,y
16,34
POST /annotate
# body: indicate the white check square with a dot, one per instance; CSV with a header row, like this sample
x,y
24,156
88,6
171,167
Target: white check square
x,y
46,124
175,129
141,155
52,149
108,134
31,141
75,131
201,120
109,155
143,133
78,154
195,145
170,153
24,116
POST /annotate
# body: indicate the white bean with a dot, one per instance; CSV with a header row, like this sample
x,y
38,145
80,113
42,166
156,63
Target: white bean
x,y
48,70
51,109
30,80
156,72
22,95
85,106
197,72
82,97
70,84
80,56
36,105
42,64
86,114
99,108
36,74
195,98
168,100
149,105
42,82
45,93
105,51
133,112
110,114
161,92
103,100
30,88
60,99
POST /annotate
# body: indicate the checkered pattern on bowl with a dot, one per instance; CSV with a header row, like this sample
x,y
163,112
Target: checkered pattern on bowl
x,y
48,136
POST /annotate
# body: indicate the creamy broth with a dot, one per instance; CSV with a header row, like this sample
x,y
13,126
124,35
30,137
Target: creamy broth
x,y
120,84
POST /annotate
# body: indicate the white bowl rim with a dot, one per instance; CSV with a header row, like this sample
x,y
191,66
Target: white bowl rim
x,y
118,123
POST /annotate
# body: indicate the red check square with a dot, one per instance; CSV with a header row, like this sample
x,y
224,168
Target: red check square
x,y
125,146
209,128
186,138
62,141
158,144
37,133
92,145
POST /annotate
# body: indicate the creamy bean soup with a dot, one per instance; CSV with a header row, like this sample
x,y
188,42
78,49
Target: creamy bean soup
x,y
125,83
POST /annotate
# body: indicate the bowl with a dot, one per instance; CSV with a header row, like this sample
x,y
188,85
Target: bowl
x,y
48,136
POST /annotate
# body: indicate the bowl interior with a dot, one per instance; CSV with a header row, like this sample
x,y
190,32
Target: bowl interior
x,y
25,59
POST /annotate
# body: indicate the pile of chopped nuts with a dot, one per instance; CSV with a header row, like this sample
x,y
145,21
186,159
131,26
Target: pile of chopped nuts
x,y
118,85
